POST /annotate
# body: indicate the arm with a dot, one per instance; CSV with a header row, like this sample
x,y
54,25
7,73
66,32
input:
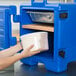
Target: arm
x,y
7,61
11,51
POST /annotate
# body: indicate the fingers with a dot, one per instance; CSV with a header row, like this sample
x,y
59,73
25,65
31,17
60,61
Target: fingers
x,y
35,52
30,47
38,50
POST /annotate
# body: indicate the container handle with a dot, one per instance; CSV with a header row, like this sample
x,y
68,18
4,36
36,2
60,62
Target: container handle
x,y
39,2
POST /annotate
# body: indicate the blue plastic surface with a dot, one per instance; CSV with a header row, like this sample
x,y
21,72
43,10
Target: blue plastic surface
x,y
6,39
62,40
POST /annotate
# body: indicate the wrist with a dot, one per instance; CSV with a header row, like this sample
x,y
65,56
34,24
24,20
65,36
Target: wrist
x,y
19,56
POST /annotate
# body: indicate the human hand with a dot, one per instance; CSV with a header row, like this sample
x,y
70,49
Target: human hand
x,y
28,53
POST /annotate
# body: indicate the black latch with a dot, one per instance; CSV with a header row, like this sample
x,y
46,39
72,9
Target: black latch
x,y
62,53
63,15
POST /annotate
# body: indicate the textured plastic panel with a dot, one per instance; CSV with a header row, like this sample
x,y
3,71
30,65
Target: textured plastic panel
x,y
4,40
